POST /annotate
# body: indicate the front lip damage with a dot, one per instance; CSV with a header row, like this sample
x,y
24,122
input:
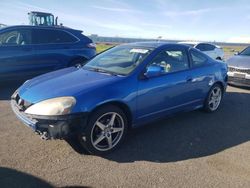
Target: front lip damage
x,y
27,120
51,127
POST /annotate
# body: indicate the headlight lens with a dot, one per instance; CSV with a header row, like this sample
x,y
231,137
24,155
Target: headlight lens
x,y
52,107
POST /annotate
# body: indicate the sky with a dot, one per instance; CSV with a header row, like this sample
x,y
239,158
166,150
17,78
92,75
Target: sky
x,y
212,20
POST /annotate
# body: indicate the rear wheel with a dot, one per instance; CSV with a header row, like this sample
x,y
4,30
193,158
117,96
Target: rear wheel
x,y
105,130
214,97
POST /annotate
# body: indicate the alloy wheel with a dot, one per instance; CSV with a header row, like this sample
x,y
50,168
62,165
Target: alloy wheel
x,y
107,131
215,98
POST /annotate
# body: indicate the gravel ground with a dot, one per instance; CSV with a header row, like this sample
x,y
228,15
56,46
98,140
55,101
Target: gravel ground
x,y
192,149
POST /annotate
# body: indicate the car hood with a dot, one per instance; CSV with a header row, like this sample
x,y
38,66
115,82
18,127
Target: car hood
x,y
66,82
239,61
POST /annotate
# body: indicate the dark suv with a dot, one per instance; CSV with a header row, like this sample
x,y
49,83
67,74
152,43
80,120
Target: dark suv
x,y
27,51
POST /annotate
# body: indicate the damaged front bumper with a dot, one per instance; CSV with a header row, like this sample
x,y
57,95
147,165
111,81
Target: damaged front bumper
x,y
51,127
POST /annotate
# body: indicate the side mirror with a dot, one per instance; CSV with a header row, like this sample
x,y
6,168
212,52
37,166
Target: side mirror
x,y
153,71
237,53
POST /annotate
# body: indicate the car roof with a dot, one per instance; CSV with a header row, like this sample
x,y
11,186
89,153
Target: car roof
x,y
195,43
191,42
41,13
153,44
37,27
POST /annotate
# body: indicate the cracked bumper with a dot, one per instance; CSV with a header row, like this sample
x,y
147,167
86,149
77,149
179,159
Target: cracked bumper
x,y
55,127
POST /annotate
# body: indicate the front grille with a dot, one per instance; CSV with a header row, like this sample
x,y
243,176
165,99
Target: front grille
x,y
239,80
21,104
234,69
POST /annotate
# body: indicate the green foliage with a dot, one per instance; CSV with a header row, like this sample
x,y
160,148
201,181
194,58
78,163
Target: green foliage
x,y
102,47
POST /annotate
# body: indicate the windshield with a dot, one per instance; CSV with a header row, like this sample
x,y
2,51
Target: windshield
x,y
120,60
246,52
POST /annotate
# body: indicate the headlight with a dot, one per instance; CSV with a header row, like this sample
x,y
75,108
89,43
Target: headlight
x,y
52,107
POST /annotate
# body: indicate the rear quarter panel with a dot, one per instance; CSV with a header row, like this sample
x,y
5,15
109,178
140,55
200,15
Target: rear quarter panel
x,y
218,70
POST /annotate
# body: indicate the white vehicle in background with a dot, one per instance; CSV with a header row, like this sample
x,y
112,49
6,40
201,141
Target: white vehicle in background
x,y
214,51
2,25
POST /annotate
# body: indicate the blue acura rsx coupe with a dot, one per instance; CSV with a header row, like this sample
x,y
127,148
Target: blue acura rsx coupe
x,y
121,88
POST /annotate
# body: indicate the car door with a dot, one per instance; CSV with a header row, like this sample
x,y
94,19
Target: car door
x,y
52,48
16,54
170,91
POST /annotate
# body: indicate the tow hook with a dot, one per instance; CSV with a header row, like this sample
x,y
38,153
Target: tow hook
x,y
44,136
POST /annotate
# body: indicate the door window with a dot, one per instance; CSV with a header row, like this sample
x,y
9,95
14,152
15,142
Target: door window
x,y
49,36
209,47
198,59
15,37
205,47
171,60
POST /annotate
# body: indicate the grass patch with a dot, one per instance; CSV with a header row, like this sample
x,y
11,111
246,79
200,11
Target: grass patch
x,y
231,50
228,49
101,47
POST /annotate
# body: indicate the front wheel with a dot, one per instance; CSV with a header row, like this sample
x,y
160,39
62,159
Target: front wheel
x,y
105,130
214,97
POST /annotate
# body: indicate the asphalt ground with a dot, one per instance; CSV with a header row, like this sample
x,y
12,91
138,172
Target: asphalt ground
x,y
193,149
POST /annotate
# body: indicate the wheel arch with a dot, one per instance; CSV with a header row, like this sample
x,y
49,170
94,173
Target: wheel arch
x,y
124,107
220,83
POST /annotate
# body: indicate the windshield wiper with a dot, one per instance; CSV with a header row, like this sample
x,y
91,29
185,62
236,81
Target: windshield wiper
x,y
103,71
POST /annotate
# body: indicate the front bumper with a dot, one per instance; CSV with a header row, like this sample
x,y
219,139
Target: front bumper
x,y
51,127
239,79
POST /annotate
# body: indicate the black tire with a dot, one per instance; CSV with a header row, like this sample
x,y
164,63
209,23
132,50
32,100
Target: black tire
x,y
91,130
207,104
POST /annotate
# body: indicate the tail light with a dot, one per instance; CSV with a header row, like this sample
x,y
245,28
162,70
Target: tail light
x,y
91,45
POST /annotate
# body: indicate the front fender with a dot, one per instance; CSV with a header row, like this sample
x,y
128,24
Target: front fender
x,y
124,91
